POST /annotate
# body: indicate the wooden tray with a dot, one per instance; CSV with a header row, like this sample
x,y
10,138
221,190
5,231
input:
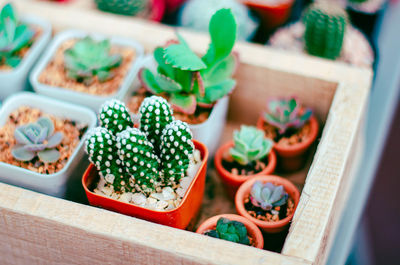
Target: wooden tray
x,y
39,229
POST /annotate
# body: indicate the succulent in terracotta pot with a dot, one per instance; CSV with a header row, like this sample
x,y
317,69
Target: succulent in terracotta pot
x,y
292,127
248,155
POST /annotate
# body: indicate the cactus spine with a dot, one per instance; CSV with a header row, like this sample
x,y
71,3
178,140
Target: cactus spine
x,y
325,28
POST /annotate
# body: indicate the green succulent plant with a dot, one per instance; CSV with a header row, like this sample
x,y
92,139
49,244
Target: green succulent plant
x,y
285,113
37,140
233,231
176,149
122,7
114,116
88,58
14,36
325,29
190,81
268,195
249,145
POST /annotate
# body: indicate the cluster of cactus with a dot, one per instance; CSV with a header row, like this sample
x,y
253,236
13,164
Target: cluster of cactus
x,y
37,140
267,196
249,145
14,36
157,153
190,81
285,113
233,231
122,7
325,29
88,58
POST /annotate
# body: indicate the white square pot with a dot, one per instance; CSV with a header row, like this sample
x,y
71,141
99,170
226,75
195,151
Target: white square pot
x,y
17,79
52,184
208,132
92,101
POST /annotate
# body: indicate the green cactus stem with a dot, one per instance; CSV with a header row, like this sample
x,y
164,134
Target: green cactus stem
x,y
114,116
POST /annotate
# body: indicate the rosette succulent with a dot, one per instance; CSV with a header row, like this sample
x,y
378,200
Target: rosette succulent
x,y
14,36
37,140
189,81
285,113
249,145
233,231
267,196
88,58
325,29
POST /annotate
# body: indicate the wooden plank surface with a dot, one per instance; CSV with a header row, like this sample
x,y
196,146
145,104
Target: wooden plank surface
x,y
38,229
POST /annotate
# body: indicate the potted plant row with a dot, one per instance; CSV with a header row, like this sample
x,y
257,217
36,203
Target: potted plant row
x,y
154,171
197,88
21,42
87,69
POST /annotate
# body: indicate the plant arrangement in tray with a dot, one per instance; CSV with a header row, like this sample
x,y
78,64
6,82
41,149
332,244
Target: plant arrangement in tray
x,y
192,85
16,37
151,166
249,154
86,65
326,31
38,142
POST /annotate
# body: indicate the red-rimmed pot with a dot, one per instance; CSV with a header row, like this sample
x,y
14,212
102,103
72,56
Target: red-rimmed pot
x,y
252,230
292,158
179,217
233,181
244,191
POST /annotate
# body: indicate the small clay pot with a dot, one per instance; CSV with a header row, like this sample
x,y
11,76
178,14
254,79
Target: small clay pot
x,y
292,158
233,181
244,191
252,229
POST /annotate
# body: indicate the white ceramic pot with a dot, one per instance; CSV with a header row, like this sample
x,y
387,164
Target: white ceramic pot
x,y
208,132
17,79
92,101
52,184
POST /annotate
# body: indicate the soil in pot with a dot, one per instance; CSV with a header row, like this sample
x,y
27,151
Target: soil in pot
x,y
200,116
72,132
273,215
55,74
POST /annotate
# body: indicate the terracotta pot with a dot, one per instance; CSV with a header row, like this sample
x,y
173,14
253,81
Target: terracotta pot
x,y
232,181
292,158
179,217
244,191
272,16
252,229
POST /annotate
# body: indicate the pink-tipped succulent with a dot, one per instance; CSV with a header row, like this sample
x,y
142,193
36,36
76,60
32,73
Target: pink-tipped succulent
x,y
190,81
285,113
268,195
37,139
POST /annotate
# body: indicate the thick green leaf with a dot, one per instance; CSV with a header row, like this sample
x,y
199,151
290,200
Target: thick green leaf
x,y
218,91
183,103
13,61
220,71
185,79
149,82
8,13
164,68
167,84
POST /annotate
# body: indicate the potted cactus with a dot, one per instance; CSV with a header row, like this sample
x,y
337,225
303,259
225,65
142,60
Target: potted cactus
x,y
152,9
234,228
41,141
292,127
267,201
87,69
339,41
155,172
248,155
22,41
197,88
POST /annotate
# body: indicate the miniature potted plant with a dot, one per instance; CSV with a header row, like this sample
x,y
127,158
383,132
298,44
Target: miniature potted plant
x,y
234,228
41,141
326,32
87,69
152,9
249,154
268,201
155,172
197,88
292,127
21,42
196,15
